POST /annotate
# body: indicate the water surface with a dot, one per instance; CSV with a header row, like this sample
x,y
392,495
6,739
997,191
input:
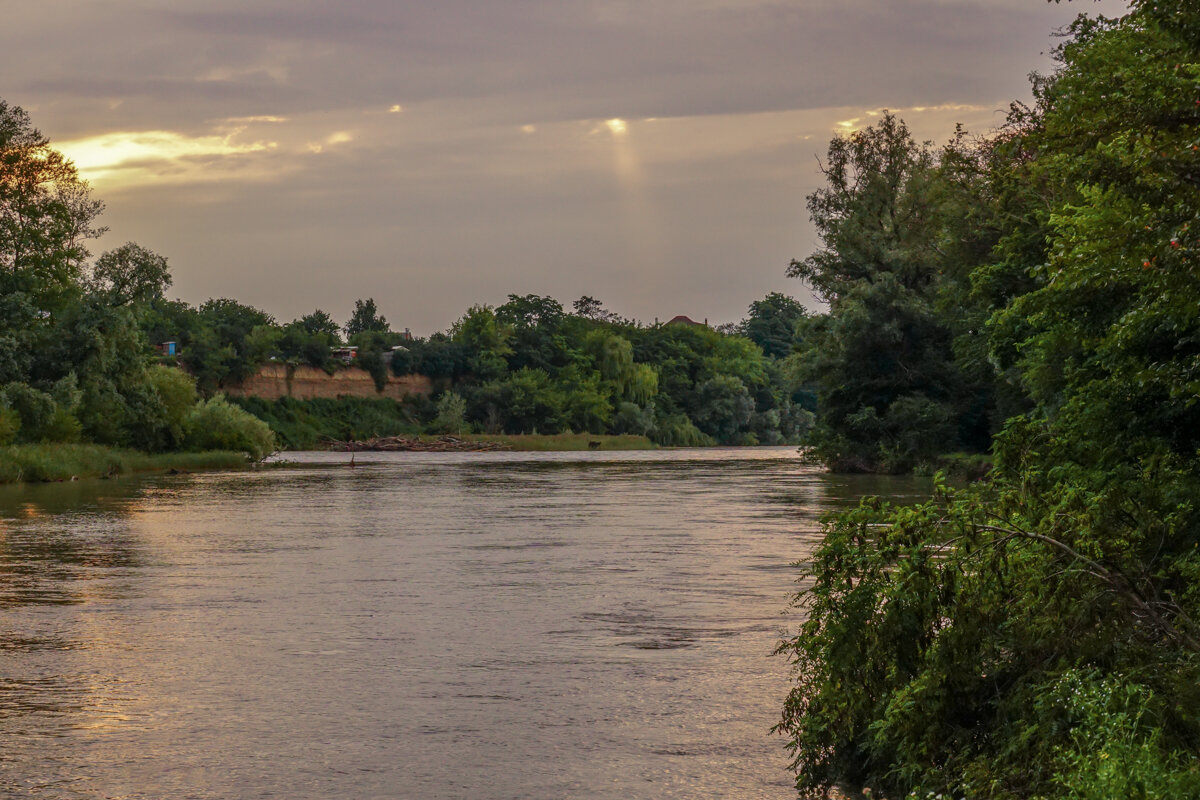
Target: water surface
x,y
481,625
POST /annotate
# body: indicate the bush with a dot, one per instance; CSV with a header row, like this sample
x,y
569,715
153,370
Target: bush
x,y
676,430
631,418
36,410
216,424
176,391
1114,748
10,424
451,414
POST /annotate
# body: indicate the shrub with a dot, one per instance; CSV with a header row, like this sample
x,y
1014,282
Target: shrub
x,y
216,424
451,414
676,430
35,409
10,424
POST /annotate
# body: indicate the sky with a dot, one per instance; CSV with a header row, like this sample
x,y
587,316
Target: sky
x,y
655,155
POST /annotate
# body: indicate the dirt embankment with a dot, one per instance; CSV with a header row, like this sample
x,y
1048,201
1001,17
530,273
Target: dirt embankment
x,y
275,381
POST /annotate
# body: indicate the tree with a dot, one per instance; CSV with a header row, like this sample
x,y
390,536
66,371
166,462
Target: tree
x,y
537,324
882,358
47,214
593,309
874,215
130,274
319,323
771,324
486,341
365,318
1038,635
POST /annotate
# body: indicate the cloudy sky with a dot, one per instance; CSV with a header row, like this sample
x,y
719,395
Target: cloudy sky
x,y
655,154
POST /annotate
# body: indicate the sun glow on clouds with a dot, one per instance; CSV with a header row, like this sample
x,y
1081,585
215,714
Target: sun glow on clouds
x,y
126,157
848,126
332,140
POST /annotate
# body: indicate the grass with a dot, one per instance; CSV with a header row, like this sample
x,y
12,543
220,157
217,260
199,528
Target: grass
x,y
33,463
529,442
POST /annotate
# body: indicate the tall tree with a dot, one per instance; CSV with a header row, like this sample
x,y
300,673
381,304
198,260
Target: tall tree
x,y
47,213
365,318
882,356
771,324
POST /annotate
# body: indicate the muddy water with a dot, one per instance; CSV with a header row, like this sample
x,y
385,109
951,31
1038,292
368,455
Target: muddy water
x,y
418,626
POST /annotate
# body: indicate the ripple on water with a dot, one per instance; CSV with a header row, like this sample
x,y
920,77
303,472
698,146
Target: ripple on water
x,y
422,625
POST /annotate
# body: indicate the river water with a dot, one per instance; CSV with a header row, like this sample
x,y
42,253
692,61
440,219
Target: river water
x,y
485,625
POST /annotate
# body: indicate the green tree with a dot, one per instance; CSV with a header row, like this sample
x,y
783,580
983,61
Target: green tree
x,y
592,309
451,414
882,358
1037,635
486,341
47,215
365,318
319,323
130,274
771,324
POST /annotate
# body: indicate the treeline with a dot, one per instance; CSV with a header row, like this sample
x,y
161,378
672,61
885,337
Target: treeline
x,y
1038,634
529,366
525,366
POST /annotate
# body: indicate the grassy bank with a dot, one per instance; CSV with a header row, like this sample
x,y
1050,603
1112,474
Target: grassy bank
x,y
307,424
62,462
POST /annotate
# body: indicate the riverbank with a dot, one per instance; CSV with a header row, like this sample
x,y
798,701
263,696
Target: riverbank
x,y
40,463
528,442
534,442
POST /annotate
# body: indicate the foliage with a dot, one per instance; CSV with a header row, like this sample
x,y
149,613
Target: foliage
x,y
216,424
130,274
1037,635
366,318
771,324
935,633
451,414
310,424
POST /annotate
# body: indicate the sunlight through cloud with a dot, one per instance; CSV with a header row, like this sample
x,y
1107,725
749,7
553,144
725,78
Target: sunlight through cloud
x,y
138,155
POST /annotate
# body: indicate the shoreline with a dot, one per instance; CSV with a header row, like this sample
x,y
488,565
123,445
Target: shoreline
x,y
521,443
54,463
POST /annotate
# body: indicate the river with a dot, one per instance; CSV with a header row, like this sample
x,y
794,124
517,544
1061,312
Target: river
x,y
474,625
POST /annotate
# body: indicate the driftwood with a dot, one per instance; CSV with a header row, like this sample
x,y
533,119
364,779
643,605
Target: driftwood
x,y
443,444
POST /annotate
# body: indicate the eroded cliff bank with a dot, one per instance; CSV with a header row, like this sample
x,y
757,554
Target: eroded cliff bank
x,y
276,381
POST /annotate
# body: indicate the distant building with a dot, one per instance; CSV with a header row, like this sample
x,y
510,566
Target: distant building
x,y
165,348
346,355
388,355
683,320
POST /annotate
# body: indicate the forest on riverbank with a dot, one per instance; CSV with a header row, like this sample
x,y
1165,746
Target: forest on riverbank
x,y
1031,294
528,366
84,359
1036,635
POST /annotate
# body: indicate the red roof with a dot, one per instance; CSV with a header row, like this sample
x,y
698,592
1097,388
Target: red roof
x,y
682,320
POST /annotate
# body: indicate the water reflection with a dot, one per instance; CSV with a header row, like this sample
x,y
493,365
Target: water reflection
x,y
424,625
